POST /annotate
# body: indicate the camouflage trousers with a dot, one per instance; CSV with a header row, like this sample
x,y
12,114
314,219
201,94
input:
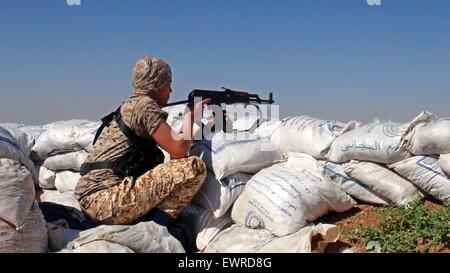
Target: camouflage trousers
x,y
169,186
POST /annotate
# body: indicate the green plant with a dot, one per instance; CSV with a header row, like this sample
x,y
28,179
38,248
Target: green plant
x,y
412,228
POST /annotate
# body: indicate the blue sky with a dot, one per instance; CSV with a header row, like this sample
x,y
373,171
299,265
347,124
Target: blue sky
x,y
334,59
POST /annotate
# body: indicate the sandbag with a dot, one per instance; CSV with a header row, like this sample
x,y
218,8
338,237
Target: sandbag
x,y
63,137
284,197
66,181
145,237
383,181
66,199
227,154
46,178
9,149
424,171
245,117
377,141
313,136
430,138
205,226
32,238
352,186
444,163
68,161
24,140
16,193
218,196
267,128
240,239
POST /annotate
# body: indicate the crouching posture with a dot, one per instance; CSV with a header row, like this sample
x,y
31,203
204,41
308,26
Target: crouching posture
x,y
124,176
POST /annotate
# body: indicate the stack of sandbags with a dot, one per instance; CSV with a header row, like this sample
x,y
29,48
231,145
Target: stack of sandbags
x,y
378,141
240,239
285,197
145,237
60,150
22,226
231,160
313,136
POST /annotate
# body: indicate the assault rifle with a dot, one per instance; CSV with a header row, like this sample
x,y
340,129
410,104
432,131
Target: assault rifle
x,y
227,96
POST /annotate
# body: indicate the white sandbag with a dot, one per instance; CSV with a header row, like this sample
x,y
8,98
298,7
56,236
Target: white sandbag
x,y
205,226
444,163
284,197
66,199
66,181
24,140
430,138
145,237
68,161
387,184
32,238
424,171
16,193
99,247
218,196
63,137
244,117
9,149
227,154
32,131
352,186
377,142
240,239
46,178
267,128
304,134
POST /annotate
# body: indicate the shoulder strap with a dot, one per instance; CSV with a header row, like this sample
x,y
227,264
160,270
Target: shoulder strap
x,y
105,121
128,132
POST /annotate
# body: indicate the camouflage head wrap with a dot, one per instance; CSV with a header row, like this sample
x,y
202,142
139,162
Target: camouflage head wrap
x,y
150,74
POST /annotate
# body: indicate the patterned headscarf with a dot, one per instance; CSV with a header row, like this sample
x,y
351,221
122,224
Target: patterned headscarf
x,y
150,75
